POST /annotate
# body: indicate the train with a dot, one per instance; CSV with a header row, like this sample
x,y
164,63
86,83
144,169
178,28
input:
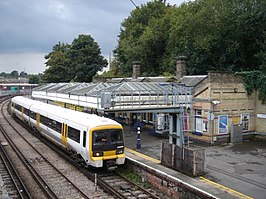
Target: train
x,y
16,88
99,141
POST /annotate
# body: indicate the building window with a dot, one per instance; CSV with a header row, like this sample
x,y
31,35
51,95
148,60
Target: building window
x,y
199,121
150,117
144,117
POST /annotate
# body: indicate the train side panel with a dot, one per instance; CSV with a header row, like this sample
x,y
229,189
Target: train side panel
x,y
98,140
75,136
20,107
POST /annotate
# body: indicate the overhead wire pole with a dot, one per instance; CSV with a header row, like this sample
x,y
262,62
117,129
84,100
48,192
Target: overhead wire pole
x,y
134,4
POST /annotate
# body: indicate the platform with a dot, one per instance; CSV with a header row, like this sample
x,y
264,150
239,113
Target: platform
x,y
232,171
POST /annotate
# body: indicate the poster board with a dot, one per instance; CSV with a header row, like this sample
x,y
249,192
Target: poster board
x,y
223,124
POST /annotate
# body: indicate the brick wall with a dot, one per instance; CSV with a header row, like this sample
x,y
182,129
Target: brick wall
x,y
166,184
229,90
260,122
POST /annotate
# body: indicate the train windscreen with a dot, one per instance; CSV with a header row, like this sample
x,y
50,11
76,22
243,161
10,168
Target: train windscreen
x,y
108,139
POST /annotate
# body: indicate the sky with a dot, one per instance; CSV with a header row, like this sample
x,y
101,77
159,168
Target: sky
x,y
30,28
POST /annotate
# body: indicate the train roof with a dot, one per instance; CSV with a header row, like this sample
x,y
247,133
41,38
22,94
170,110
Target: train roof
x,y
24,101
84,119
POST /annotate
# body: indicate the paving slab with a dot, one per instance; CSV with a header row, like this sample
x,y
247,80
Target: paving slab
x,y
239,168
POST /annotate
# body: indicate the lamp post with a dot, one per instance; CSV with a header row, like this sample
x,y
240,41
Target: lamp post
x,y
138,139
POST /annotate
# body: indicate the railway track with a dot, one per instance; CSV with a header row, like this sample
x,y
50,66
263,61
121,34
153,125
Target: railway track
x,y
14,186
51,180
10,179
123,188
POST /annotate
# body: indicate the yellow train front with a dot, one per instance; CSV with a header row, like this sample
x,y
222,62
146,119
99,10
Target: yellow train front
x,y
99,141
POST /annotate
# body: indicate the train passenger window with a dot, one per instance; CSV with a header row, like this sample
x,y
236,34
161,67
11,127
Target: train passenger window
x,y
53,124
33,115
26,111
45,121
18,107
84,138
73,134
58,127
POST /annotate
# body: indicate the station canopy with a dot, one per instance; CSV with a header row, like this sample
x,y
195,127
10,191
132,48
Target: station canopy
x,y
93,89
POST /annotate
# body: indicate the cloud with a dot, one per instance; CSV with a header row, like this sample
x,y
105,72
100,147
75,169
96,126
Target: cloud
x,y
32,63
31,28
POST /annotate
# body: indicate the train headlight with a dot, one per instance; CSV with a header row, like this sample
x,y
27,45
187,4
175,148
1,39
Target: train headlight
x,y
97,154
119,151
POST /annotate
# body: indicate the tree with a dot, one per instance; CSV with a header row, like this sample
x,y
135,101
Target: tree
x,y
79,61
58,66
3,74
34,79
254,81
14,74
23,74
213,34
85,58
143,38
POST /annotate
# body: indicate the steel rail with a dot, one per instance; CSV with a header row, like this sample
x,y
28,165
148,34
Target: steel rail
x,y
18,183
46,188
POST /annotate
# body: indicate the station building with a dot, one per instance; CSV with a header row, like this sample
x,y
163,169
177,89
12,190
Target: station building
x,y
217,107
16,88
221,103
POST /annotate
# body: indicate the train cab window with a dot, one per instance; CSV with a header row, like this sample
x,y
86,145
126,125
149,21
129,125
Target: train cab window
x,y
110,136
84,138
99,138
116,136
73,134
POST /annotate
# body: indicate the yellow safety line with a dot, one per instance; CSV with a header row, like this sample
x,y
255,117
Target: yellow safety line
x,y
226,188
144,156
206,180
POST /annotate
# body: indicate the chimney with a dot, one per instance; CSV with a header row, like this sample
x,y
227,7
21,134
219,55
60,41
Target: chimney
x,y
136,69
180,66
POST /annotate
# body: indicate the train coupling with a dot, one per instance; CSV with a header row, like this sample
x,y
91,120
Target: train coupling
x,y
111,165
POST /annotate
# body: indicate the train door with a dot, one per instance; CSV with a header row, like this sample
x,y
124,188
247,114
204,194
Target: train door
x,y
38,121
22,112
84,144
64,131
